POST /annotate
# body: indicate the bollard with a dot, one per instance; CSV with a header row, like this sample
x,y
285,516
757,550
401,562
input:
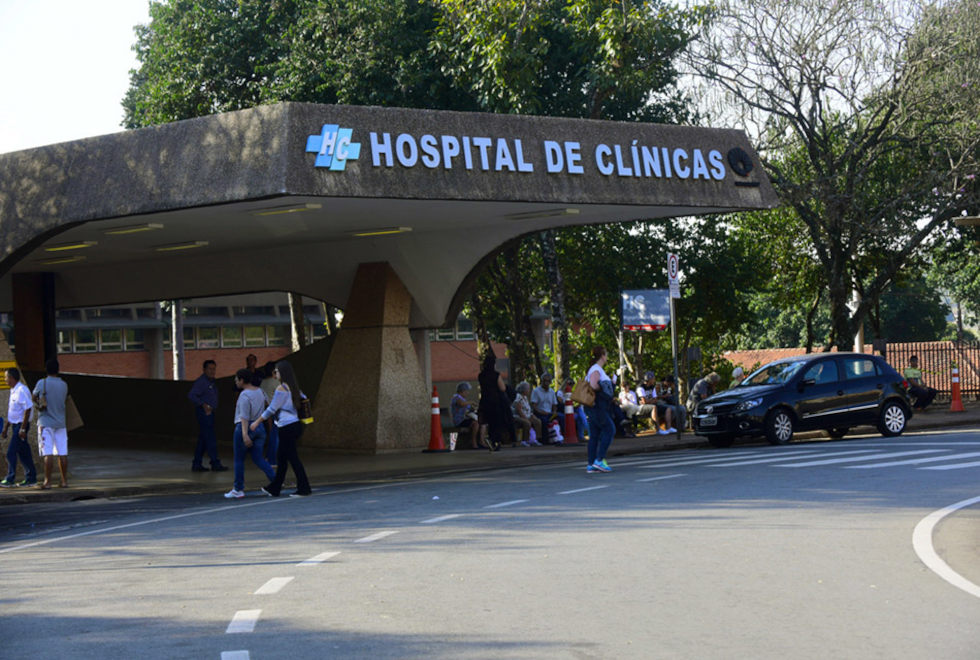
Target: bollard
x,y
571,433
957,403
436,443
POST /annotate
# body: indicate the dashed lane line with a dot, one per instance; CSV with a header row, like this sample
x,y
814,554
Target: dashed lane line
x,y
922,543
580,490
318,559
273,586
500,505
234,655
666,476
244,621
376,537
437,519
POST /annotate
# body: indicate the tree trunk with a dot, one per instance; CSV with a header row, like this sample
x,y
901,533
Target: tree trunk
x,y
297,324
549,254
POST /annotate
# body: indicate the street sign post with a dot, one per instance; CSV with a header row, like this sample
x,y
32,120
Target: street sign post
x,y
673,280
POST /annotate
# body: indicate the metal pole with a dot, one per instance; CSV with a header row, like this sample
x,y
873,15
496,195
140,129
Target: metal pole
x,y
673,350
177,337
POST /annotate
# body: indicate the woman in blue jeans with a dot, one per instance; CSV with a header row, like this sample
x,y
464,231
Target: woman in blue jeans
x,y
601,427
248,442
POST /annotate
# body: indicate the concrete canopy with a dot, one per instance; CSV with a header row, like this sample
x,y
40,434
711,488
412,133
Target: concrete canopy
x,y
244,189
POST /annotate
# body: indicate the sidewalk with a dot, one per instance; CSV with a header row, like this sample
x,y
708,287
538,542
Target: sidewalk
x,y
123,466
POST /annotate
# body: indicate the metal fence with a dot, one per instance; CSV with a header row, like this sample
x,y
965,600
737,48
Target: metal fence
x,y
936,360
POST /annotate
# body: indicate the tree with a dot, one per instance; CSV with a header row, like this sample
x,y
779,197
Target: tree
x,y
909,311
879,103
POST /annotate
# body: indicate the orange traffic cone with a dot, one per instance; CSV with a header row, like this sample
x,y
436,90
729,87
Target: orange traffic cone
x,y
571,433
436,443
957,404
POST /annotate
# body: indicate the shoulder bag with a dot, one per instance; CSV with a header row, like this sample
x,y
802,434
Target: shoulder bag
x,y
583,393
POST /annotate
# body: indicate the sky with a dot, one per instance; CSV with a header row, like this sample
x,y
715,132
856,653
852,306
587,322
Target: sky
x,y
64,68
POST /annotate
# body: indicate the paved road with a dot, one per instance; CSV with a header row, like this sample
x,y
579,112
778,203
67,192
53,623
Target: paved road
x,y
812,550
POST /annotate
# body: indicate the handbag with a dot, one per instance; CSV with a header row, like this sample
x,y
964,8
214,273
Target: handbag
x,y
305,412
583,393
41,400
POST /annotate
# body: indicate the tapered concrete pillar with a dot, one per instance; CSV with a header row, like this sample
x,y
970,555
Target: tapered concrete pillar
x,y
34,319
372,398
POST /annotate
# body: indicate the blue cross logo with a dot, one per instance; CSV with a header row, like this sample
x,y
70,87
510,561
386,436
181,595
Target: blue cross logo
x,y
333,147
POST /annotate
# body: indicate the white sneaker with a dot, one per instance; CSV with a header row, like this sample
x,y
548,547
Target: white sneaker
x,y
671,430
664,432
234,494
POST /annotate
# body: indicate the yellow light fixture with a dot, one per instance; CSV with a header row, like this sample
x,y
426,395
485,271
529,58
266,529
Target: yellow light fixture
x,y
77,245
62,260
383,231
549,213
133,229
190,245
291,208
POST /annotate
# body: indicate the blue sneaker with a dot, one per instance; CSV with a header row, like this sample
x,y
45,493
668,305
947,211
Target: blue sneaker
x,y
602,466
589,469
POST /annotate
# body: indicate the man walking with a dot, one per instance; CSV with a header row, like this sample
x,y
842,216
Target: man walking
x,y
204,396
17,422
51,393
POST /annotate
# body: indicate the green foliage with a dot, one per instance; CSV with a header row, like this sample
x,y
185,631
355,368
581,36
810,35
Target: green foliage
x,y
910,311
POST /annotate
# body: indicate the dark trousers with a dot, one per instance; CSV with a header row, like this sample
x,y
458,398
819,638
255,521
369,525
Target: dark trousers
x,y
288,435
923,396
19,448
206,439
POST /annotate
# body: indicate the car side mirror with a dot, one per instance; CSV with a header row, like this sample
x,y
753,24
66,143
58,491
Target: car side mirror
x,y
807,382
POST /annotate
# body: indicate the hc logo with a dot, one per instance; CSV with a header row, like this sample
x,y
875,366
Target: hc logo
x,y
333,147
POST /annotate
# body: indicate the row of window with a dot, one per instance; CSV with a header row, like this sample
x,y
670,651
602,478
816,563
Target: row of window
x,y
462,331
105,340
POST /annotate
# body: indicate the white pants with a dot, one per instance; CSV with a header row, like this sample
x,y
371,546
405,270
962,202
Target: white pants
x,y
53,442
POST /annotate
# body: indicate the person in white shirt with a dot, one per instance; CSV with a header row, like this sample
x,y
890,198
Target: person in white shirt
x,y
647,395
601,426
17,423
544,402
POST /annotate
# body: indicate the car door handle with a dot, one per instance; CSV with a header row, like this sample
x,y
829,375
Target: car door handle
x,y
840,392
880,386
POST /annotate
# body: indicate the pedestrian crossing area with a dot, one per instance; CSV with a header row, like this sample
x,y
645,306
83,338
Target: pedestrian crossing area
x,y
937,456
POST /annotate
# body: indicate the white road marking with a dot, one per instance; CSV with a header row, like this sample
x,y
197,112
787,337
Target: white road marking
x,y
234,655
922,542
273,586
581,490
872,457
957,466
499,505
914,461
776,459
244,621
318,559
376,537
666,476
448,516
725,459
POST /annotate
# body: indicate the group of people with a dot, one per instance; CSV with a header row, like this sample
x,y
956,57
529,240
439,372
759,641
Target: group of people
x,y
267,425
48,403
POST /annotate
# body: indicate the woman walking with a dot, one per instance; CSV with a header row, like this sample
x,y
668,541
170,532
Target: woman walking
x,y
601,427
249,408
284,409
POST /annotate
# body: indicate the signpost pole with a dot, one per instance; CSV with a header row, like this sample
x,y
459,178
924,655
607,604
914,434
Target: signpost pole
x,y
673,266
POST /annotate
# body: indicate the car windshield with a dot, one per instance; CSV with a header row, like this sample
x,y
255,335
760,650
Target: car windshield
x,y
775,373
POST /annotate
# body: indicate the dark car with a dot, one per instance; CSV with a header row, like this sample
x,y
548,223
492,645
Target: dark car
x,y
830,391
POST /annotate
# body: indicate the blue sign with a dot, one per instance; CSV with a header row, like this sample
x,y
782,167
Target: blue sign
x,y
645,309
333,147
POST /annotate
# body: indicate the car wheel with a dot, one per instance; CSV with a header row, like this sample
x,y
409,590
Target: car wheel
x,y
892,420
721,441
779,427
838,432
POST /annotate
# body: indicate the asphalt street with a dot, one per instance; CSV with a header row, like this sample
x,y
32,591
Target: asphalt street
x,y
862,548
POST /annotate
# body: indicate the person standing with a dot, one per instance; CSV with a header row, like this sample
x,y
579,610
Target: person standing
x,y
204,396
601,427
495,410
268,385
251,403
51,394
17,423
284,410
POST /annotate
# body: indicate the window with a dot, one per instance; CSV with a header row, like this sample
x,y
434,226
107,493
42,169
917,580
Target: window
x,y
278,335
64,341
445,334
824,371
464,329
318,330
858,368
208,338
231,336
110,339
85,341
254,335
69,314
148,312
135,339
188,337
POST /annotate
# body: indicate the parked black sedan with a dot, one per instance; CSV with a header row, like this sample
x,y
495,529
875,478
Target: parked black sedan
x,y
831,391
